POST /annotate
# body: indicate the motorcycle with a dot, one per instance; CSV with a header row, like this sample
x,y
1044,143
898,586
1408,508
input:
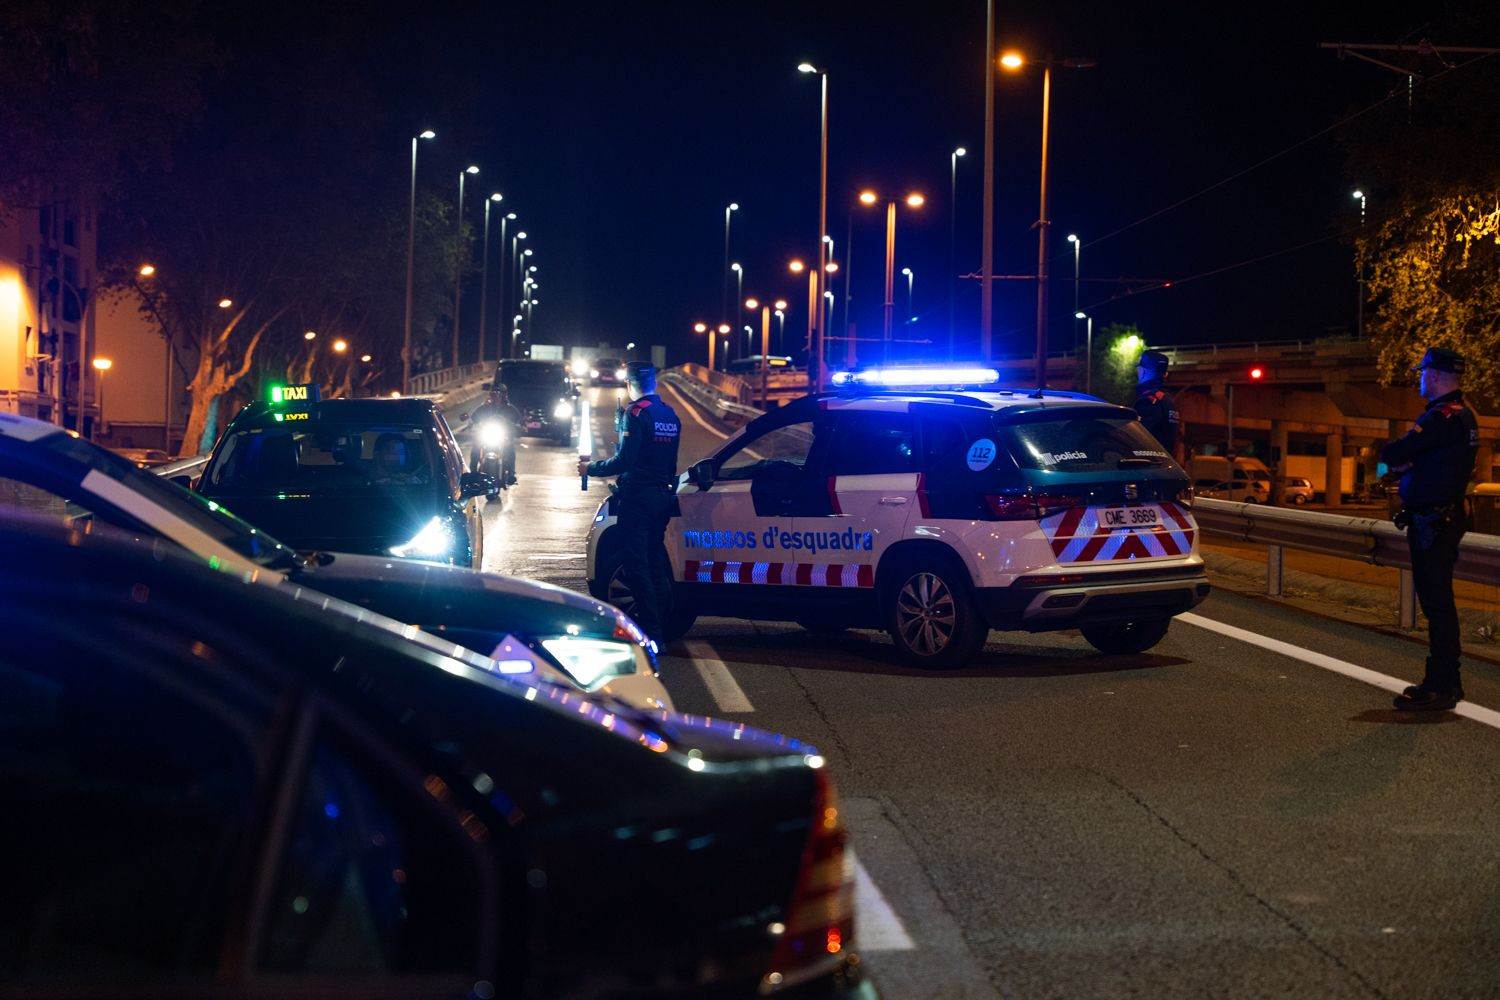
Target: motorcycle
x,y
492,437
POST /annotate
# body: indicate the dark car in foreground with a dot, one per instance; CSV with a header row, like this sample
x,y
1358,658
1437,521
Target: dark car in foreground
x,y
533,628
301,798
377,476
544,393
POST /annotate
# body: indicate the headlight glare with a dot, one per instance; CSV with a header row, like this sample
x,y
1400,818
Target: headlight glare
x,y
563,411
435,539
592,662
492,434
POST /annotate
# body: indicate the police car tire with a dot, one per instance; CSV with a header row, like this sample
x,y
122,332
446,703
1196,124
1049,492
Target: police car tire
x,y
1121,638
946,587
678,622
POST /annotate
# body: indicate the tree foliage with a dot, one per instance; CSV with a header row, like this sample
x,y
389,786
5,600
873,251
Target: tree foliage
x,y
1113,370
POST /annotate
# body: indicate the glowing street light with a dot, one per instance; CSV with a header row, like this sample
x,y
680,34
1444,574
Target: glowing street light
x,y
733,206
310,335
340,346
102,365
225,303
147,270
953,239
816,377
411,245
912,201
458,267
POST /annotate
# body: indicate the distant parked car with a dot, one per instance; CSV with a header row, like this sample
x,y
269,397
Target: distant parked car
x,y
1243,491
1297,490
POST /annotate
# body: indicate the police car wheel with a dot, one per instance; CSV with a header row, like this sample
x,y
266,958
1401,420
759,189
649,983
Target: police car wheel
x,y
931,617
617,592
1127,637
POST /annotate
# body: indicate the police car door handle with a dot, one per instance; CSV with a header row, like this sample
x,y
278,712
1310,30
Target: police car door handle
x,y
892,501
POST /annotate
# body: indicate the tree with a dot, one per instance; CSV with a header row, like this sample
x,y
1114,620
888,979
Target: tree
x,y
1116,349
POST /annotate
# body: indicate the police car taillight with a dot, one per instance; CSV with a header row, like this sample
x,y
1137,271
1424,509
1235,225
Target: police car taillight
x,y
1029,506
819,929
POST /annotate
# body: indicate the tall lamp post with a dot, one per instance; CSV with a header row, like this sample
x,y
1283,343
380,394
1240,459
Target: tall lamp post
x,y
910,278
484,270
781,326
1088,353
102,365
411,247
732,207
1077,247
1014,61
1359,196
500,345
458,266
913,201
953,239
739,294
815,375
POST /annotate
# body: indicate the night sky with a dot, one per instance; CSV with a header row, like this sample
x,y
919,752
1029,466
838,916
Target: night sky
x,y
620,132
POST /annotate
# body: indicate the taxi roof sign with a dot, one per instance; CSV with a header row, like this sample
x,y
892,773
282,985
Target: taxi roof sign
x,y
307,393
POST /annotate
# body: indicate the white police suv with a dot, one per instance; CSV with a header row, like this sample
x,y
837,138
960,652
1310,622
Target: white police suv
x,y
936,505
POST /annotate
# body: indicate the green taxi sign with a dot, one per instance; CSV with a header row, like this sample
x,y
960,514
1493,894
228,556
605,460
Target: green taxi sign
x,y
293,394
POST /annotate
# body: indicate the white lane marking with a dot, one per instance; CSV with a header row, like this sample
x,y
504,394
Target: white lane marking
x,y
557,555
685,407
876,926
716,676
1485,716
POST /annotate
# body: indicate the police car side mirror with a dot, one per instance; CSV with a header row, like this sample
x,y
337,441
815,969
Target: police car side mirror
x,y
702,474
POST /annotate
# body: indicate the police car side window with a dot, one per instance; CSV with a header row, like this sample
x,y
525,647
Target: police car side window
x,y
789,445
872,444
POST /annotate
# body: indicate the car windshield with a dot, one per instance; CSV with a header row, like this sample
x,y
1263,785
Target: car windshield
x,y
545,375
204,515
1083,441
326,456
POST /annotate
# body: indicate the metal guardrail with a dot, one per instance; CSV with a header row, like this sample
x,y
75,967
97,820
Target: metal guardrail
x,y
428,382
1364,539
182,467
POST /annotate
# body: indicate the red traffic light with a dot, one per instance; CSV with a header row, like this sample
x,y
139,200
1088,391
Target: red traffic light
x,y
1256,372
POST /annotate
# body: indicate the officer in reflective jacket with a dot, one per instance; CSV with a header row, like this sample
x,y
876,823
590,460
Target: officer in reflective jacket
x,y
1156,406
646,462
1436,461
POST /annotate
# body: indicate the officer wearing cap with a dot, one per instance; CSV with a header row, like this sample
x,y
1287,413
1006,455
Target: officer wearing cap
x,y
646,462
1435,461
1155,404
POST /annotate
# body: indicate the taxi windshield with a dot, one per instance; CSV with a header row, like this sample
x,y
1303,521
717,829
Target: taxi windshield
x,y
205,515
1080,441
322,456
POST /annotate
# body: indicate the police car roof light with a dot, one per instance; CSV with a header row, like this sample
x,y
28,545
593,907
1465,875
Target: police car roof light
x,y
915,377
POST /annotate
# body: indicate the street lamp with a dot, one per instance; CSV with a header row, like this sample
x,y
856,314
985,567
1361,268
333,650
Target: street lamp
x,y
102,365
147,270
1077,247
781,326
912,201
739,292
733,206
703,328
411,246
910,277
1014,61
458,266
953,239
815,376
484,270
1359,196
500,346
1088,353
310,335
340,346
723,332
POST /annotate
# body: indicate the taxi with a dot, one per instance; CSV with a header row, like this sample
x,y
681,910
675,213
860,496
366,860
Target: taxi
x,y
376,476
535,631
937,505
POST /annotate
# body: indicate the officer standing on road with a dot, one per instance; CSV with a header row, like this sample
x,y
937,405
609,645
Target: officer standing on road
x,y
1436,460
646,462
1155,404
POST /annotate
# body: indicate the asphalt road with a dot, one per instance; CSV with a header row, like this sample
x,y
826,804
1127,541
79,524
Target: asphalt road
x,y
1214,818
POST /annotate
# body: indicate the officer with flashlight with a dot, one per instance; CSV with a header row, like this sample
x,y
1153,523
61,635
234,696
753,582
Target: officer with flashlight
x,y
645,461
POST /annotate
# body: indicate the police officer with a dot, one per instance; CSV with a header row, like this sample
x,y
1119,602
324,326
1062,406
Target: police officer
x,y
646,462
1435,461
1155,404
497,406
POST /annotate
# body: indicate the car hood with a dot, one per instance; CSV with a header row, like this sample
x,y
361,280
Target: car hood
x,y
365,521
436,596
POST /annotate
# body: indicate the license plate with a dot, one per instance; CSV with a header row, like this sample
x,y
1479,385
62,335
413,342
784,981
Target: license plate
x,y
1125,518
532,425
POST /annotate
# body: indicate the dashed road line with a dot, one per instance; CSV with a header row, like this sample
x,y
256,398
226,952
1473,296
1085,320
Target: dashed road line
x,y
879,929
717,678
1484,716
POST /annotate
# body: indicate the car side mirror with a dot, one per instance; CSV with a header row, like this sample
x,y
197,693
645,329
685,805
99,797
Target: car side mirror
x,y
477,484
702,474
186,482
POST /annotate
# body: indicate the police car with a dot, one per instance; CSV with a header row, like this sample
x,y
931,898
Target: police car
x,y
532,630
936,505
376,476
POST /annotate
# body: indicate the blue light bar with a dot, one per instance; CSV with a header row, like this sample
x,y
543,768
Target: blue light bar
x,y
945,376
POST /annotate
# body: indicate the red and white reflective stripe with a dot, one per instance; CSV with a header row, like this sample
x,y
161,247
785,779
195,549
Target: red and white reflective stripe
x,y
779,573
1077,536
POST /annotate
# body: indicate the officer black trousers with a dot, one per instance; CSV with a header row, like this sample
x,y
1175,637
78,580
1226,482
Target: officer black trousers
x,y
1432,573
643,516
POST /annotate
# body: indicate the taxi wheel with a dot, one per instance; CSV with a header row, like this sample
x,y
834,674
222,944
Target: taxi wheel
x,y
931,617
1127,637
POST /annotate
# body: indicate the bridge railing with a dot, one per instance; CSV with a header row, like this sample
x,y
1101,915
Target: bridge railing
x,y
429,382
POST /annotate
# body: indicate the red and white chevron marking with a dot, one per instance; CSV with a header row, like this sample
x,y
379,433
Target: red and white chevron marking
x,y
780,573
1077,536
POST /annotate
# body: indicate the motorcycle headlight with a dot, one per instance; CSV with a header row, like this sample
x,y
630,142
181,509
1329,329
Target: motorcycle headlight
x,y
492,435
435,539
592,662
563,411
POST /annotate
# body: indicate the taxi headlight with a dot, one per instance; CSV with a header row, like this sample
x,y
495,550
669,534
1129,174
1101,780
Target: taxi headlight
x,y
492,435
592,662
435,539
563,411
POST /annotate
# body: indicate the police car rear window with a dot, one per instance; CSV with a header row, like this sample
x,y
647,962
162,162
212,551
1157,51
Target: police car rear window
x,y
1082,442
